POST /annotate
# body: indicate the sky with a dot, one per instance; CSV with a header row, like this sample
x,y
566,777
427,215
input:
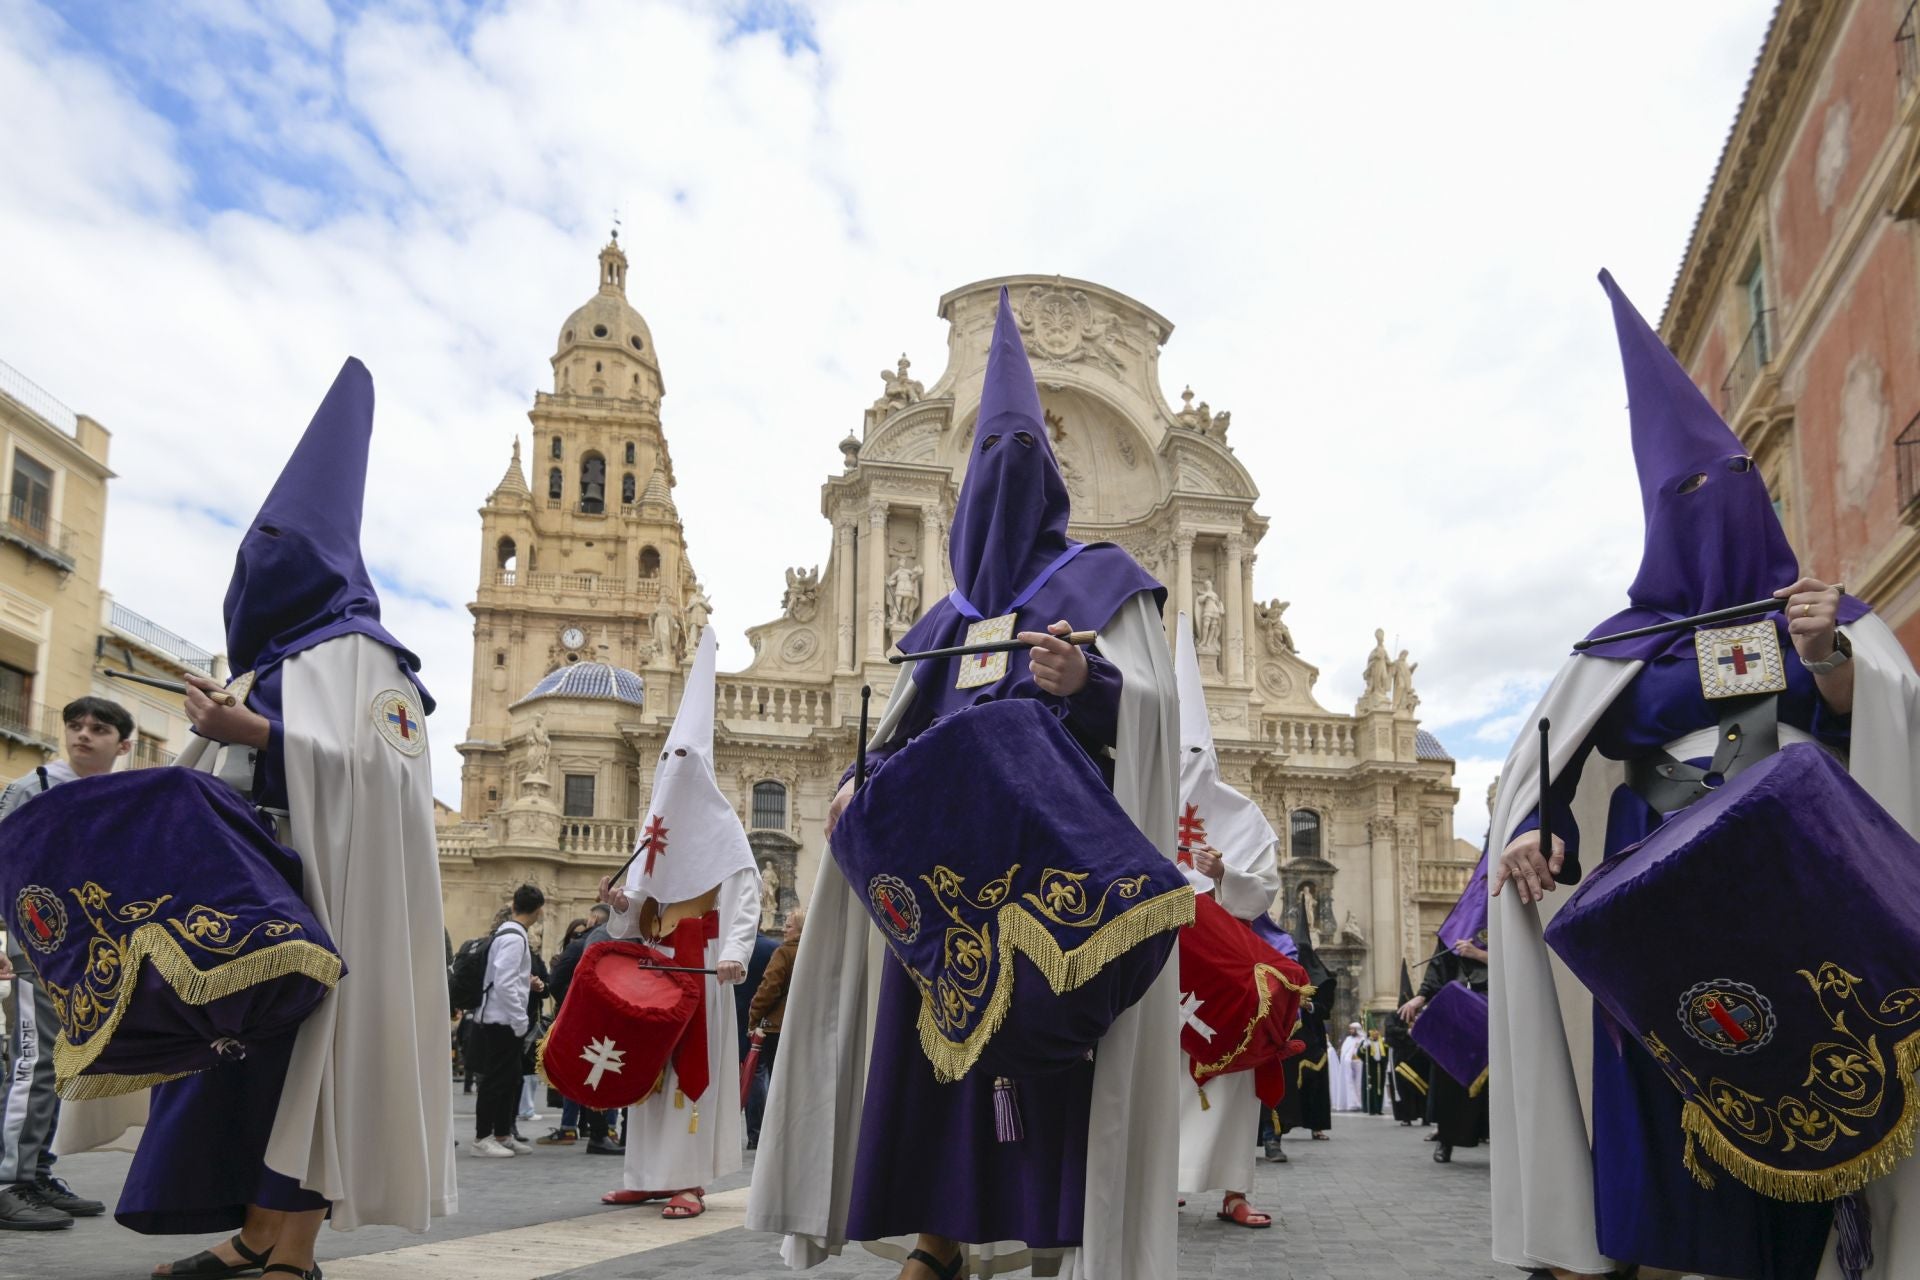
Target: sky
x,y
1375,229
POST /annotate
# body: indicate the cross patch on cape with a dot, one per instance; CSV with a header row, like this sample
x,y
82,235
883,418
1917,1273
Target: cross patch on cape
x,y
1738,661
398,719
985,668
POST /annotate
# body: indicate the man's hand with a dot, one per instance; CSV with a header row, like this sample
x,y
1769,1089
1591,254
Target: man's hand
x,y
841,799
1812,608
1531,873
6,967
615,898
238,725
1411,1009
536,984
1467,951
730,972
1058,668
1210,864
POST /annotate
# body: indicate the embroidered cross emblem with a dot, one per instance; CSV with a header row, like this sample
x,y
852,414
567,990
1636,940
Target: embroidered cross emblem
x,y
399,718
654,840
1190,1014
40,928
1736,658
1193,833
1728,1020
603,1057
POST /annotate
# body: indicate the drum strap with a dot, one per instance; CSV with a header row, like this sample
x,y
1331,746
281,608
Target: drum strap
x,y
1749,732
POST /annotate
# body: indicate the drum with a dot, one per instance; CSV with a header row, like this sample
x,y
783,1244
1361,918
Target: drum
x,y
164,921
1019,897
1764,946
1453,1031
616,1032
1240,1002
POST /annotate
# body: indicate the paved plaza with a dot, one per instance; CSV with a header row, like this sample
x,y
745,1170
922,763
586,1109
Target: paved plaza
x,y
1368,1204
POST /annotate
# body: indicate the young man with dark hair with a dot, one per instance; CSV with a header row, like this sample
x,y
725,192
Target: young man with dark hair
x,y
500,1023
98,732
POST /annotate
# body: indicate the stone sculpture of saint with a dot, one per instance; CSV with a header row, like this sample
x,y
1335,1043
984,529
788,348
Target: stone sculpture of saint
x,y
539,748
1207,606
1380,671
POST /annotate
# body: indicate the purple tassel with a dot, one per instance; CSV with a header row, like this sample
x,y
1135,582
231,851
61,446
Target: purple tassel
x,y
1854,1226
1006,1110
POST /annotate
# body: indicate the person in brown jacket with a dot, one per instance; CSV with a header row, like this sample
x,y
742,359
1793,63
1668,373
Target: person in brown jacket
x,y
768,1007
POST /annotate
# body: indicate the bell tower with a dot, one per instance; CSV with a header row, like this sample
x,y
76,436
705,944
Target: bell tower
x,y
582,556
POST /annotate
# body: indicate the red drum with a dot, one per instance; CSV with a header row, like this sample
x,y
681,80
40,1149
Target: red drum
x,y
1240,999
619,1025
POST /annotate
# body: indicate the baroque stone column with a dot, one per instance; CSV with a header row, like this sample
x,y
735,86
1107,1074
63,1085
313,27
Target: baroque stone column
x,y
843,577
932,572
1236,612
876,582
1381,863
1247,611
1183,582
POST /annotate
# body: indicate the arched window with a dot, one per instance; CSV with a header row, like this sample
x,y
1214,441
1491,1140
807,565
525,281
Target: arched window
x,y
507,555
626,487
593,483
1306,834
770,805
557,449
630,453
649,563
554,482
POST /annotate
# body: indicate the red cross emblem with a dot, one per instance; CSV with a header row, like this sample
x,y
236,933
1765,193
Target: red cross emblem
x,y
399,718
1737,658
40,928
1193,834
654,840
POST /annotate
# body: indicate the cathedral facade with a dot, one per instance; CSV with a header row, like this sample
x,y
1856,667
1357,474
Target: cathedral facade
x,y
587,602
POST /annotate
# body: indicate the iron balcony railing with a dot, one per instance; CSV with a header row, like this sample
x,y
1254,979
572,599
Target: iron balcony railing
x,y
37,400
1906,459
159,639
30,723
1906,56
149,755
1754,355
29,526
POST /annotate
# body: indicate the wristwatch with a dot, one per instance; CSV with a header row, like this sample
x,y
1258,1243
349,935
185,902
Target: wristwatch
x,y
1842,654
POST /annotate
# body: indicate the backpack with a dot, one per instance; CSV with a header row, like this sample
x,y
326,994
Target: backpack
x,y
467,975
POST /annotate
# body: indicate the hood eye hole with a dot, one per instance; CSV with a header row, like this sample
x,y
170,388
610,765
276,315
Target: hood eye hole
x,y
1194,750
1693,482
1025,438
269,530
1740,465
663,755
989,442
679,751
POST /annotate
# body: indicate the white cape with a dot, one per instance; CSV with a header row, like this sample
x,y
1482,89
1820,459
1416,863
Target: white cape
x,y
1540,1032
803,1177
1345,1080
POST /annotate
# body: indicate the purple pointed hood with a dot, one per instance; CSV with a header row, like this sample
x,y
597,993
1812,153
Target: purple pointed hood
x,y
1011,520
1713,539
299,578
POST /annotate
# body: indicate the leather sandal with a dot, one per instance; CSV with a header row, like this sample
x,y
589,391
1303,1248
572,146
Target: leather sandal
x,y
941,1270
1240,1213
208,1265
288,1269
685,1204
623,1196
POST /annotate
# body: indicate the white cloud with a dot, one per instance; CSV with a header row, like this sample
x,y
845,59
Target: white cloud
x,y
1375,230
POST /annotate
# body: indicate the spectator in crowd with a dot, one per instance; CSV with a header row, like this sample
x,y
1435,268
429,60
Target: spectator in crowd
x,y
769,1006
530,1082
501,1023
98,733
574,1118
764,945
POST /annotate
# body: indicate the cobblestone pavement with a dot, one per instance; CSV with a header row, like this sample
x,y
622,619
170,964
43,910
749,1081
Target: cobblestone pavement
x,y
1368,1205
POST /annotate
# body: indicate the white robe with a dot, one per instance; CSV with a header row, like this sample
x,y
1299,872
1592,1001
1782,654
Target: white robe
x,y
803,1177
1346,1080
662,1155
366,1116
1540,1029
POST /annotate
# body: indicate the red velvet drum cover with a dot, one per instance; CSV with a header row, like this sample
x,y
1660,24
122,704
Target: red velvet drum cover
x,y
618,1028
1240,1001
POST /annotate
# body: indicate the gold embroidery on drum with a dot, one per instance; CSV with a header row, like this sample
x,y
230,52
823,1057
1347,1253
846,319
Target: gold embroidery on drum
x,y
980,669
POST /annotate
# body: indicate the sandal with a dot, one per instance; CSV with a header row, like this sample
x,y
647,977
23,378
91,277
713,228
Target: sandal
x,y
623,1196
288,1269
685,1204
941,1270
1321,1135
208,1265
1236,1210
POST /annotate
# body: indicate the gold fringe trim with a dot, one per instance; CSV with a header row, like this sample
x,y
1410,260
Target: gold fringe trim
x,y
1318,1064
152,944
1479,1085
1064,970
1809,1185
1406,1072
1202,1071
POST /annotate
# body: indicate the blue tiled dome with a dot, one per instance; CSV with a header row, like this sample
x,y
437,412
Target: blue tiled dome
x,y
590,680
1426,747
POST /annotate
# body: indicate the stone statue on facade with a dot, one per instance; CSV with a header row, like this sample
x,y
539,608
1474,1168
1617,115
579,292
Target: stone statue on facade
x,y
667,640
769,898
1209,611
1379,672
1310,914
1193,417
802,601
1274,626
1404,698
903,593
900,390
699,610
539,749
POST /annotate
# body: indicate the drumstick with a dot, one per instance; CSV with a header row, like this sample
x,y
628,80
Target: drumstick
x,y
860,759
668,968
1546,791
989,646
1697,620
217,697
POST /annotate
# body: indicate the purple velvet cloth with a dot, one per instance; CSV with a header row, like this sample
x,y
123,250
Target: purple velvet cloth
x,y
1713,547
1467,922
1453,1031
103,864
1803,1023
1276,937
299,578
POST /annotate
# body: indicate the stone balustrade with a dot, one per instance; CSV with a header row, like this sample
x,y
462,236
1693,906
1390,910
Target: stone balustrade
x,y
768,703
462,841
1445,877
608,837
645,590
1302,736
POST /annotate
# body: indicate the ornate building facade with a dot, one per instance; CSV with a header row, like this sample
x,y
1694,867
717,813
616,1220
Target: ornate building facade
x,y
584,605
